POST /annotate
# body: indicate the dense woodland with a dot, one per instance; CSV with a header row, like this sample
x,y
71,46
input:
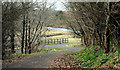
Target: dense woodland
x,y
95,23
24,22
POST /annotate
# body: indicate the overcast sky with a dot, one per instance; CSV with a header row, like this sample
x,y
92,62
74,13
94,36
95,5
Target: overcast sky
x,y
58,4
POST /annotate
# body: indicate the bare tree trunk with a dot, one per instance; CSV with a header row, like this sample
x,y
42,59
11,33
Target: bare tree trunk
x,y
118,35
86,41
82,40
94,41
26,40
3,46
23,35
107,44
100,40
107,30
29,41
118,41
12,40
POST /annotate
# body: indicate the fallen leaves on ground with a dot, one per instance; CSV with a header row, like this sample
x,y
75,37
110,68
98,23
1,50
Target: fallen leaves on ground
x,y
64,61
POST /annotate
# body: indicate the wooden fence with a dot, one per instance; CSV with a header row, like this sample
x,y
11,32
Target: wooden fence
x,y
56,41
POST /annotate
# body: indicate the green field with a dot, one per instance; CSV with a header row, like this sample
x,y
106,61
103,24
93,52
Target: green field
x,y
55,34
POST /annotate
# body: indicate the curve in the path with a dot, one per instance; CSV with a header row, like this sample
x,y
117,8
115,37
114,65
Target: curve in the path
x,y
59,45
38,60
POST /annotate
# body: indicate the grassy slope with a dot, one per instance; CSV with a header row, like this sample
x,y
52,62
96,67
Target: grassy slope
x,y
94,57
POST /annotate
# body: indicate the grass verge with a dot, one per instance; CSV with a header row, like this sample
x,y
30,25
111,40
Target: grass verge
x,y
73,45
43,50
94,57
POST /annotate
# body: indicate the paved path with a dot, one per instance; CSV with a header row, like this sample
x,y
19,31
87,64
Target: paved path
x,y
59,45
42,60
